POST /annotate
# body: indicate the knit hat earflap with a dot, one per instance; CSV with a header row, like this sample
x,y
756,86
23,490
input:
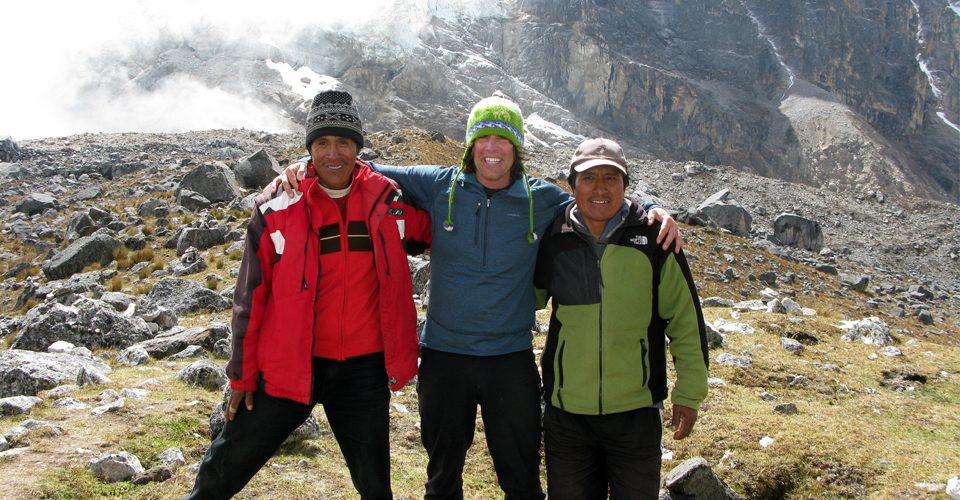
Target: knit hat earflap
x,y
333,113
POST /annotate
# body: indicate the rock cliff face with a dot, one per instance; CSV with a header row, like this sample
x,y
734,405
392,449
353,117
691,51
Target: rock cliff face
x,y
845,95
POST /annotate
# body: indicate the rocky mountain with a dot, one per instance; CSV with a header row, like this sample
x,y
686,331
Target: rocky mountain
x,y
843,95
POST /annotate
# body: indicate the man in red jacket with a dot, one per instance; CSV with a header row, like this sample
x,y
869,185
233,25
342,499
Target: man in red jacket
x,y
323,312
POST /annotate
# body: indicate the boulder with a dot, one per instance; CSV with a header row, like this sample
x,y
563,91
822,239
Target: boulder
x,y
18,405
96,248
116,467
203,374
184,296
721,210
796,231
201,238
256,170
9,150
871,330
36,203
213,181
695,479
80,225
90,323
25,373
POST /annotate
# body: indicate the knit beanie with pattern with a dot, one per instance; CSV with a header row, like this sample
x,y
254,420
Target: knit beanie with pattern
x,y
333,113
495,116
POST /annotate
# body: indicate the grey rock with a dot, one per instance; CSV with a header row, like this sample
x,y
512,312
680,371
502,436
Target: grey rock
x,y
70,404
786,408
88,322
695,479
157,474
791,345
9,150
80,225
727,359
18,405
184,296
799,232
89,193
854,281
201,238
134,355
190,352
154,208
714,338
716,302
420,274
116,467
19,435
213,181
171,342
256,170
203,374
222,348
192,200
112,406
87,377
36,203
96,248
726,213
870,330
172,457
25,373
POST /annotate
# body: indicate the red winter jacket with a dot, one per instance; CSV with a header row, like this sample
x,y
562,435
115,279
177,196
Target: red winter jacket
x,y
277,288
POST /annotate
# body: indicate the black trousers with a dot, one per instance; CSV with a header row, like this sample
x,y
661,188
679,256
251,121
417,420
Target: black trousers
x,y
588,454
355,397
507,389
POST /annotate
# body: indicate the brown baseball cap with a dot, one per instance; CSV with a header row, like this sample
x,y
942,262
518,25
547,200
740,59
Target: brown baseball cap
x,y
595,152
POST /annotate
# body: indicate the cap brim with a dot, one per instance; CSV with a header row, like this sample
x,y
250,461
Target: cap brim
x,y
596,163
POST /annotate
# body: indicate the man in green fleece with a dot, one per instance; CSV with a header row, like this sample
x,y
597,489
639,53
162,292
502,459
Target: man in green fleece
x,y
617,298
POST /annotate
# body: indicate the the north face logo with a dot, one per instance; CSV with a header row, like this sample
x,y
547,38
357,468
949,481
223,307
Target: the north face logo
x,y
639,240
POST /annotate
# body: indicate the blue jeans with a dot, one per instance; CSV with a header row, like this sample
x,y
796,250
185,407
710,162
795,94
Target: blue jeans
x,y
355,397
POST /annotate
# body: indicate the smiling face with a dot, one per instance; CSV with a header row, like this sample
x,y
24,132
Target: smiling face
x,y
599,194
493,156
334,158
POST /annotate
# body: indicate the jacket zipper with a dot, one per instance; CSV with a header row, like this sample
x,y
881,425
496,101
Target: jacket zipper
x,y
476,226
600,337
560,374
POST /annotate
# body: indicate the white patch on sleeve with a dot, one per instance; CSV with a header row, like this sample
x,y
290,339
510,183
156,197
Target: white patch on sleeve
x,y
278,241
281,202
401,226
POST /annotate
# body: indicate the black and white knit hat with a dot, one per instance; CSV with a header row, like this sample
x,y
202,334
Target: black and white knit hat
x,y
333,113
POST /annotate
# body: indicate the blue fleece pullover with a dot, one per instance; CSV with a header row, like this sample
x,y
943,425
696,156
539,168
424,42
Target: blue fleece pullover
x,y
481,280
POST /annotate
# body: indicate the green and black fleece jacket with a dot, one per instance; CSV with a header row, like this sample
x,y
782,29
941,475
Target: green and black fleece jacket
x,y
614,307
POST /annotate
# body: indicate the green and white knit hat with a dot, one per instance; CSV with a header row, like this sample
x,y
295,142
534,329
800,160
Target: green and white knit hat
x,y
494,116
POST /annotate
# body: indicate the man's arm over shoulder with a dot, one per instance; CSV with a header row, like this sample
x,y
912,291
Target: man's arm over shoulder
x,y
416,233
420,183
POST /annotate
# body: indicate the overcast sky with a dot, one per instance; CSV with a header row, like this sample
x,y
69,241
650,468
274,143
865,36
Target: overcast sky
x,y
47,45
